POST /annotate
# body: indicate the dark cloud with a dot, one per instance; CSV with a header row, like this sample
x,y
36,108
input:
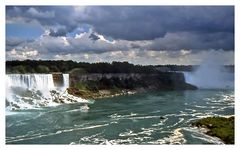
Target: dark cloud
x,y
168,27
94,37
135,46
12,42
131,22
194,41
147,23
47,16
59,32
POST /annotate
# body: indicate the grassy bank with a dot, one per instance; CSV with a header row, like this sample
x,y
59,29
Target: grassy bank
x,y
220,127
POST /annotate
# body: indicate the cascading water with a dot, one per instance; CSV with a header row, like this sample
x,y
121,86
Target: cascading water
x,y
38,82
28,91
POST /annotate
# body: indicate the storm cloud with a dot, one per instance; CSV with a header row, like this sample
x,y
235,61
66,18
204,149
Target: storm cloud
x,y
103,29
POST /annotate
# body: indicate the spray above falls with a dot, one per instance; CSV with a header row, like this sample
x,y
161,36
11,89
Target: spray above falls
x,y
211,76
28,91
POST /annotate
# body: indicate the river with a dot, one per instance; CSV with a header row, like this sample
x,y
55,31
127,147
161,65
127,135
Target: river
x,y
143,118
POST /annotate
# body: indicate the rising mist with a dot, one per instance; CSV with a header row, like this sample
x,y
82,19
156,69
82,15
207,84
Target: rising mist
x,y
210,75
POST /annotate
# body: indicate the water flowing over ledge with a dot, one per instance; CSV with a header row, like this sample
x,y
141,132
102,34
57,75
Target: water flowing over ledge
x,y
29,91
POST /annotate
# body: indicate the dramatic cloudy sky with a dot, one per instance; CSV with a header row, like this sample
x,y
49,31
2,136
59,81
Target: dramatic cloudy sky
x,y
140,35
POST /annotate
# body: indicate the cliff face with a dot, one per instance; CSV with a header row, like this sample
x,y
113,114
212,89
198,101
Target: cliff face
x,y
116,82
163,81
97,76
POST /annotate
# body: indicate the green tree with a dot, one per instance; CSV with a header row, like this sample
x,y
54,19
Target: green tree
x,y
42,69
19,69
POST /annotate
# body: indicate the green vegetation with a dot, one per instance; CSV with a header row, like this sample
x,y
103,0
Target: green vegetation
x,y
42,69
49,66
220,127
19,69
44,66
77,71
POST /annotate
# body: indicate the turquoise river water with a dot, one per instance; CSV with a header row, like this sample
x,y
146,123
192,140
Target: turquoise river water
x,y
145,118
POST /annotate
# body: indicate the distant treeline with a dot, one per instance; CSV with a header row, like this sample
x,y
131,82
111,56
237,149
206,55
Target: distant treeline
x,y
49,66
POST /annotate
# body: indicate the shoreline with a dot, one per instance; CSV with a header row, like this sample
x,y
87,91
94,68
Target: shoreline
x,y
100,94
221,127
124,92
109,93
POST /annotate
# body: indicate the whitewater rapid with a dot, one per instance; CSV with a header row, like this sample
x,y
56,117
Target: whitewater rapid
x,y
28,91
143,118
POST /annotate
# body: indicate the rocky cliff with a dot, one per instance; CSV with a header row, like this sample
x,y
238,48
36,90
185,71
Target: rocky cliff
x,y
93,85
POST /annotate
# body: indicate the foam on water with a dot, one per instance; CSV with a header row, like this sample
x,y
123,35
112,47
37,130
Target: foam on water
x,y
67,124
199,133
40,135
175,138
31,91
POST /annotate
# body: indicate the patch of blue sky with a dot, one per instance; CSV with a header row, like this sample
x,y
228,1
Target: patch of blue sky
x,y
24,31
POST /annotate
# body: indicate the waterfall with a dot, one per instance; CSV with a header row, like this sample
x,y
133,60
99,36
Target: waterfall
x,y
39,82
28,91
66,80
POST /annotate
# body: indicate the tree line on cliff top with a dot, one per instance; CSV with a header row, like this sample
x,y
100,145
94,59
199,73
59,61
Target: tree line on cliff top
x,y
50,66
